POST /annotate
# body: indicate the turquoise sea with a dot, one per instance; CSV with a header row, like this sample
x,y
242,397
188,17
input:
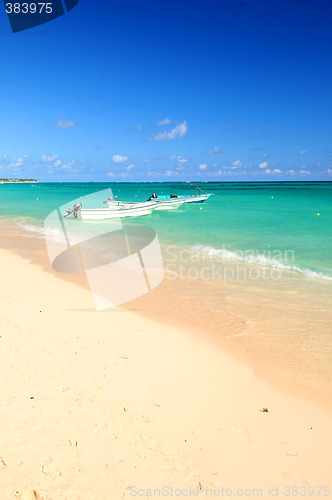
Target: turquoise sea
x,y
275,237
282,224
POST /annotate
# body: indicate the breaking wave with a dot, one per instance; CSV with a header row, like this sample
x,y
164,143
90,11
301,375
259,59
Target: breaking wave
x,y
251,257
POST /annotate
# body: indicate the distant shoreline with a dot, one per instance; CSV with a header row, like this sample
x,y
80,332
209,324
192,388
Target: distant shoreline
x,y
17,181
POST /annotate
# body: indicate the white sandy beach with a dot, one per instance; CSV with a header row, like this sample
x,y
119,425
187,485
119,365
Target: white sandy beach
x,y
112,405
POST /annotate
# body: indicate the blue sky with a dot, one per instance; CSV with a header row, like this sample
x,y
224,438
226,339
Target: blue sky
x,y
178,90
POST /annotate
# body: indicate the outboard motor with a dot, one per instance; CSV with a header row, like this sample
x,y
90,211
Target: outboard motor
x,y
76,208
111,198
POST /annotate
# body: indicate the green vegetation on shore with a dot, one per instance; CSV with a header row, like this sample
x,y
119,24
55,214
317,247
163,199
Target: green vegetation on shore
x,y
2,181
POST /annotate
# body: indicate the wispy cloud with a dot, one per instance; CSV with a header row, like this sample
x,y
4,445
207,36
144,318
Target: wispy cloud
x,y
264,164
137,128
180,159
16,164
119,159
303,152
68,166
214,151
166,121
274,171
237,163
48,159
234,126
178,131
4,159
66,123
203,166
114,174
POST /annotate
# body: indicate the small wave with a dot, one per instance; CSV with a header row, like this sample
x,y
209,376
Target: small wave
x,y
55,234
257,258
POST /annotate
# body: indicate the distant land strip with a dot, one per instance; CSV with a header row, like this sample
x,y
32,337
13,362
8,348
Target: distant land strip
x,y
3,181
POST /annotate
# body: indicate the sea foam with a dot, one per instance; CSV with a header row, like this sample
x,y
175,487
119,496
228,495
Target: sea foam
x,y
256,258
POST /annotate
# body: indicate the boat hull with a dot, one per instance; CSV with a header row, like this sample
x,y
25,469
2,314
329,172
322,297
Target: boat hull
x,y
166,203
107,213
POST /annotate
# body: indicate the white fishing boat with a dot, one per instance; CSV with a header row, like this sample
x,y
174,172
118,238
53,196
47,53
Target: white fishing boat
x,y
166,202
78,212
162,202
154,204
135,208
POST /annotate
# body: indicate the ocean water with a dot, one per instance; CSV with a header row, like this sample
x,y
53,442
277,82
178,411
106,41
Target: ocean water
x,y
276,239
270,224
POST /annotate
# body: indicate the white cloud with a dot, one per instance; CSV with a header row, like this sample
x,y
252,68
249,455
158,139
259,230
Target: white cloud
x,y
4,159
66,123
305,171
72,167
329,171
264,164
20,160
203,166
274,171
180,159
119,159
129,167
237,163
303,152
68,166
231,167
166,121
178,131
213,151
48,159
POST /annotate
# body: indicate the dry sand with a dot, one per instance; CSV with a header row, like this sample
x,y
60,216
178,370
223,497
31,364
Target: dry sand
x,y
112,405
